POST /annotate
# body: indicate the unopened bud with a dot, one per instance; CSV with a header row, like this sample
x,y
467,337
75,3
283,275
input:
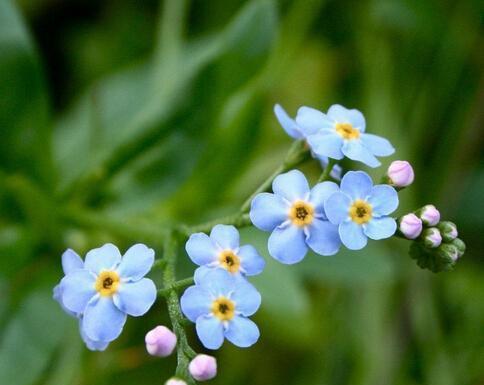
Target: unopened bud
x,y
448,230
449,250
400,173
429,215
160,341
431,238
410,226
460,245
175,381
203,367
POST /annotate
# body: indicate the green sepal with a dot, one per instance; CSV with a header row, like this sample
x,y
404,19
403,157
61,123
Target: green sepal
x,y
435,260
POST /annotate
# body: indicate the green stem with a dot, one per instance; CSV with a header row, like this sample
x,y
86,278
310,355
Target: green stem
x,y
184,351
177,286
327,170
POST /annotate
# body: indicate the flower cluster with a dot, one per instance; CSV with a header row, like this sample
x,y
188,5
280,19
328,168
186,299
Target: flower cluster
x,y
104,289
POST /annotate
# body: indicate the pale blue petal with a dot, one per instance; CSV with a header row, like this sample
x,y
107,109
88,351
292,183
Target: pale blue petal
x,y
246,297
77,290
377,145
201,249
91,344
357,184
210,331
136,262
326,144
218,282
71,261
105,257
103,321
323,237
287,123
355,150
311,121
135,298
268,211
250,260
337,207
57,295
227,237
242,332
320,193
344,115
196,301
200,273
352,235
383,199
292,186
287,244
380,228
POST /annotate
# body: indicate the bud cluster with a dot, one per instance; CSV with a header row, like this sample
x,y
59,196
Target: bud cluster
x,y
436,246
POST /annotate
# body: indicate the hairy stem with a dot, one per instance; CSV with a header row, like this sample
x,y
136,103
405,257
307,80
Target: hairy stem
x,y
177,286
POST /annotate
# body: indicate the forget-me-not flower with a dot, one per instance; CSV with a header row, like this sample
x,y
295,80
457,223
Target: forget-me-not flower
x,y
219,304
107,288
70,262
294,131
222,249
361,210
340,133
296,216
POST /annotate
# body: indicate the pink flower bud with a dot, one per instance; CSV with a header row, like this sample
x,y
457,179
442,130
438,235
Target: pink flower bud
x,y
203,367
400,173
410,226
160,341
175,381
432,237
430,215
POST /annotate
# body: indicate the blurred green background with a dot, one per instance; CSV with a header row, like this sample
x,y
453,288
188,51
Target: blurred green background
x,y
141,113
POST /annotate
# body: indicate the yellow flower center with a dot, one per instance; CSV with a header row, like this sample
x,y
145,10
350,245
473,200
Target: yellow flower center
x,y
360,211
229,261
301,213
223,308
347,131
107,283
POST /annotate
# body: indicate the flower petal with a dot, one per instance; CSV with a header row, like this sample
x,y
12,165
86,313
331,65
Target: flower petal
x,y
250,260
218,282
57,295
77,290
326,144
352,235
320,193
227,237
287,244
91,344
357,184
71,261
268,211
383,199
336,207
195,302
292,185
246,297
200,273
242,332
288,124
311,121
105,257
323,237
355,150
345,115
377,145
210,331
103,321
201,249
380,228
136,262
135,298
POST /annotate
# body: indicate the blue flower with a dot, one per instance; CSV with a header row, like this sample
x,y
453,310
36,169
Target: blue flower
x,y
361,210
293,130
72,261
296,216
340,133
107,287
219,304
